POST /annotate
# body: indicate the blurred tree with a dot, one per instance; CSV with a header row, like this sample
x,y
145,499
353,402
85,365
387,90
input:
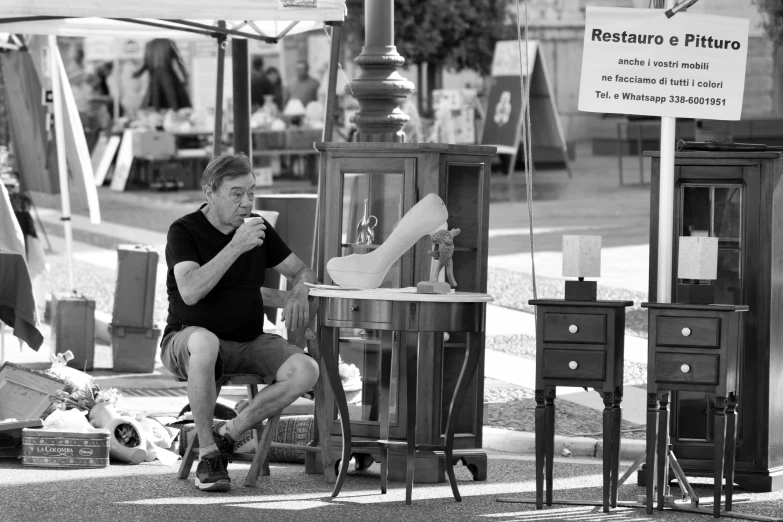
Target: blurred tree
x,y
454,34
772,19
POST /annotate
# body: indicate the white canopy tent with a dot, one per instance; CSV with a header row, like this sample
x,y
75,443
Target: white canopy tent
x,y
266,20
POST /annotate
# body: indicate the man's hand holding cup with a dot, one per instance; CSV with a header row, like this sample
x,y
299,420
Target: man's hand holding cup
x,y
250,234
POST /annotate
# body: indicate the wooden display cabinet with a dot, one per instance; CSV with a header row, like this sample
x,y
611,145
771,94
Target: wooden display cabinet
x,y
385,180
737,197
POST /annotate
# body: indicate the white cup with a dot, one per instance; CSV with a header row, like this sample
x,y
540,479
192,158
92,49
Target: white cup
x,y
253,218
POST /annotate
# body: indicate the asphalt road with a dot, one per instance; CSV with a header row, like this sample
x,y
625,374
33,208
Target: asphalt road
x,y
151,491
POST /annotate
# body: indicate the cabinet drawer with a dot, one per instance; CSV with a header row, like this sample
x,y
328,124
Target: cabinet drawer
x,y
360,311
686,368
575,328
701,332
574,364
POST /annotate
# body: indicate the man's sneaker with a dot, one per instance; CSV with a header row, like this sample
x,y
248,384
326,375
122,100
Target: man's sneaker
x,y
211,473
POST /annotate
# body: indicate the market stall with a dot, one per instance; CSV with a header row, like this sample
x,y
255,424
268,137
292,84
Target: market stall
x,y
264,20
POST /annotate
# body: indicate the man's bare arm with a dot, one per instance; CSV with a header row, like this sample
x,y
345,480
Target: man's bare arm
x,y
296,312
195,281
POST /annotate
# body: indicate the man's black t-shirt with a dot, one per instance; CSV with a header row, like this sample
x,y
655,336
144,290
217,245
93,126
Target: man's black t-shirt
x,y
233,310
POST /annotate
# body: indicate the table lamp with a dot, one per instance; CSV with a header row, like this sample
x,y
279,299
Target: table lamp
x,y
581,258
697,269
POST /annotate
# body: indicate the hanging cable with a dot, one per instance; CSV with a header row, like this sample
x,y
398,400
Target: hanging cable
x,y
524,76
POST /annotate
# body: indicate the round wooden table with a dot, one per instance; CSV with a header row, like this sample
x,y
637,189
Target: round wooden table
x,y
401,310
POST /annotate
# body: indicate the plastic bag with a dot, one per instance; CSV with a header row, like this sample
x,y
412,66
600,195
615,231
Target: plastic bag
x,y
68,420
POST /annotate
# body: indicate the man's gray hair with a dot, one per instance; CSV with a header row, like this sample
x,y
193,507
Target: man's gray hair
x,y
223,167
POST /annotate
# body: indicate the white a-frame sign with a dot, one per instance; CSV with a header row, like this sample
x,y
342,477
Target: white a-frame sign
x,y
503,124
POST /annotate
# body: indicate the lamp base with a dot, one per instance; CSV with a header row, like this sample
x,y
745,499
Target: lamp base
x,y
695,293
581,290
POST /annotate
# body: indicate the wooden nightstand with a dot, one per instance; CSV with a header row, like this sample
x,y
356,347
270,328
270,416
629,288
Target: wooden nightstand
x,y
579,343
693,348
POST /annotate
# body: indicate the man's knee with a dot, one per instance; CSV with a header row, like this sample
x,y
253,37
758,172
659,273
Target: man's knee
x,y
303,370
204,347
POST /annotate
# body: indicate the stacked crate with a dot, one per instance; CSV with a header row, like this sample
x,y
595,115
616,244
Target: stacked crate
x,y
134,337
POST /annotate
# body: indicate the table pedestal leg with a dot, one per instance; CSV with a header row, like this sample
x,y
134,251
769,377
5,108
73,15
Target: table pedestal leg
x,y
411,378
322,431
328,348
387,340
472,352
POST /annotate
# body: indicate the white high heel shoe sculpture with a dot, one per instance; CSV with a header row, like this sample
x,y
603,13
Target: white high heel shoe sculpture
x,y
368,270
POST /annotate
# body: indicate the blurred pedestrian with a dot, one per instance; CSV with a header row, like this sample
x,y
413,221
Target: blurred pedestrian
x,y
276,82
260,85
167,76
304,88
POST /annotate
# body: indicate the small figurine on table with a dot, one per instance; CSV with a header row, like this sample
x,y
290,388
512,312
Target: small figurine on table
x,y
442,252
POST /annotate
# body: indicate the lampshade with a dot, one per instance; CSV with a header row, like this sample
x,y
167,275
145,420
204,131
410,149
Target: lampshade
x,y
294,108
581,256
698,258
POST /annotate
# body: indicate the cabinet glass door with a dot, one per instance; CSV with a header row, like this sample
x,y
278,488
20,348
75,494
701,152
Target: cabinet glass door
x,y
372,205
711,210
715,210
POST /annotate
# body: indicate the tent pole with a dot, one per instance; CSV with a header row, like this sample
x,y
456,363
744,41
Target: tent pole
x,y
331,109
217,137
62,166
666,206
240,64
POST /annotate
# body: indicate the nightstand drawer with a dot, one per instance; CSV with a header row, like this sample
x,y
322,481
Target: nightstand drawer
x,y
360,311
575,328
574,364
701,332
686,368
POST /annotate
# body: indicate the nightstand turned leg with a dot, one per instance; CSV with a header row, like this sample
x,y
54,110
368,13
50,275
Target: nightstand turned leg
x,y
720,450
652,420
540,448
550,441
608,448
731,448
663,450
617,418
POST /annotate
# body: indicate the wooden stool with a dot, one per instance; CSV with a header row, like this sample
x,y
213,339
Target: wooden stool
x,y
263,433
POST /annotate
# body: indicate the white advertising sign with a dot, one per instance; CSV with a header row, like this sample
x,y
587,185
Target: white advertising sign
x,y
637,61
505,61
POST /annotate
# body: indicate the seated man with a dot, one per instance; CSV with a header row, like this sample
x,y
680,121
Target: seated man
x,y
216,266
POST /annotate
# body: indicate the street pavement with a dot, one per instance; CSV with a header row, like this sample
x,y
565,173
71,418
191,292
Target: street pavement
x,y
590,203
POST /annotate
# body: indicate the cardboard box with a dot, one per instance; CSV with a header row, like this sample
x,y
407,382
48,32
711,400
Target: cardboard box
x,y
52,448
268,140
134,349
302,138
151,144
134,296
24,397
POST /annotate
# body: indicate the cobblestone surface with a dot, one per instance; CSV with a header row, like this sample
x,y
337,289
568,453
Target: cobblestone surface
x,y
515,289
571,420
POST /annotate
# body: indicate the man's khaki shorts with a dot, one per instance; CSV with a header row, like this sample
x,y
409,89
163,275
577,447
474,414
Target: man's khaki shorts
x,y
264,355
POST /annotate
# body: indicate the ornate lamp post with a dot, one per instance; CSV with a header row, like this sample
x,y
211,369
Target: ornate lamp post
x,y
380,89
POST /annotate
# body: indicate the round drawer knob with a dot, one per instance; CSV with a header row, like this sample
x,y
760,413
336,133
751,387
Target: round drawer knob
x,y
573,365
686,332
685,368
354,308
573,328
